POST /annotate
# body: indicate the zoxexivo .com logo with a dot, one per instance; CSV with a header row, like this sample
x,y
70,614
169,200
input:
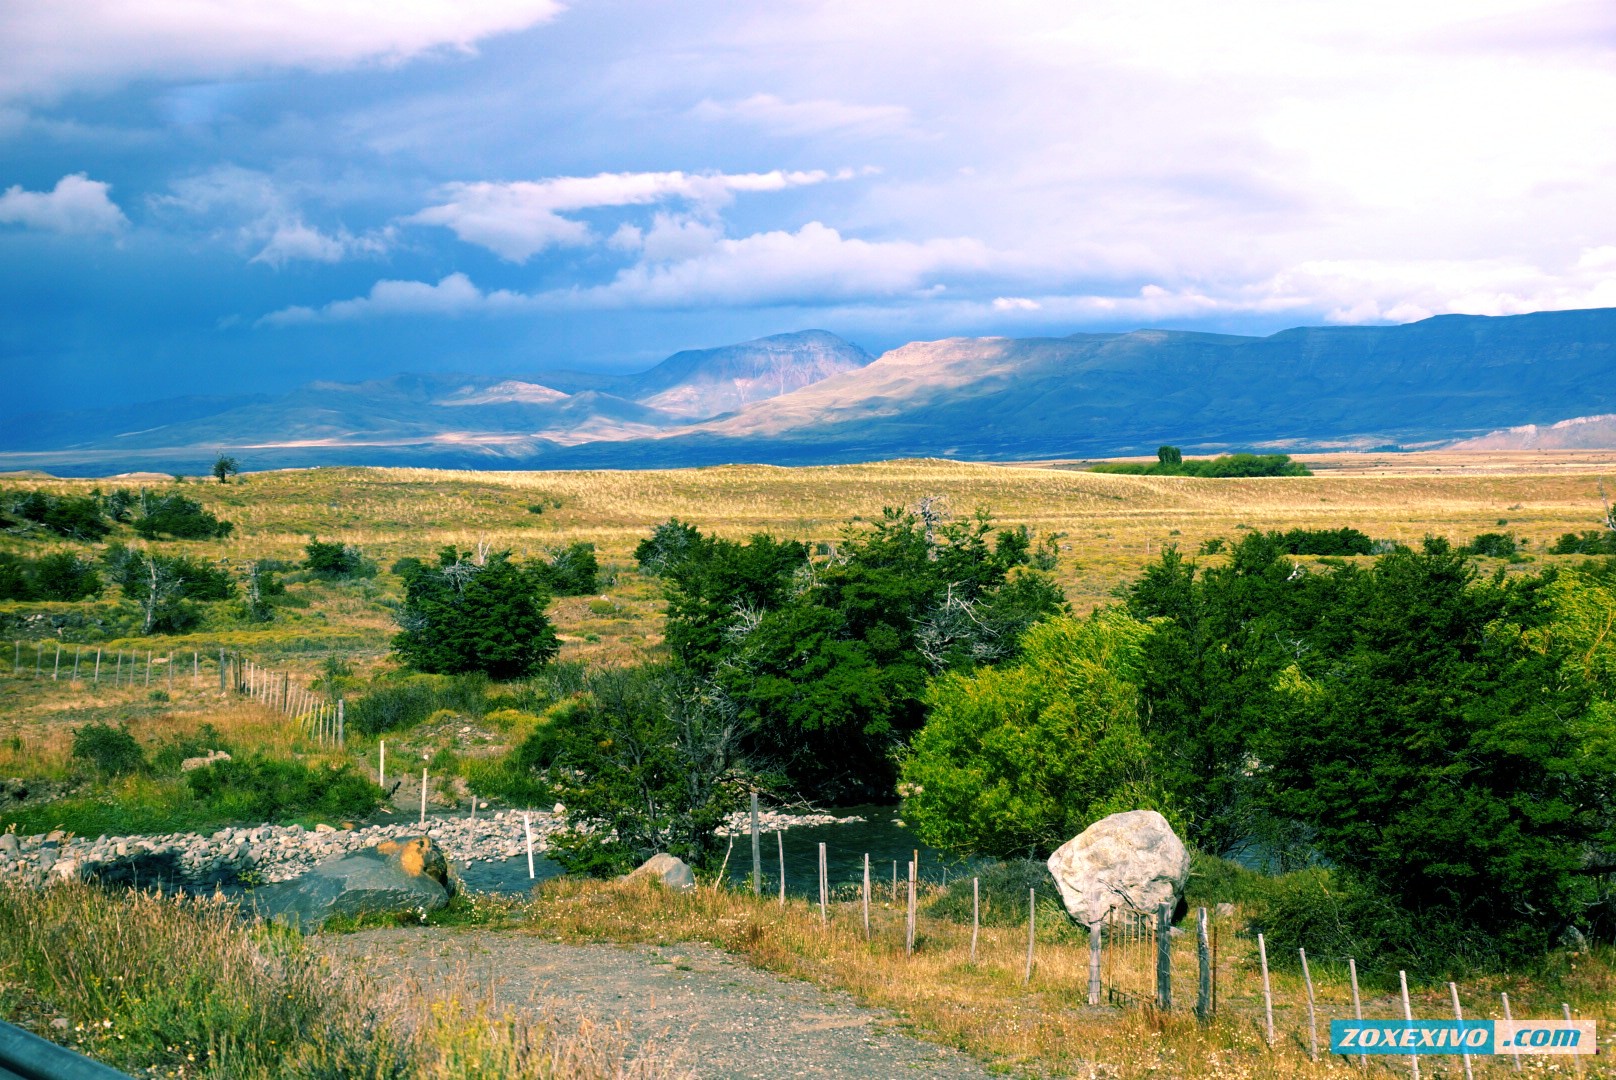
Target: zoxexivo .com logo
x,y
1462,1037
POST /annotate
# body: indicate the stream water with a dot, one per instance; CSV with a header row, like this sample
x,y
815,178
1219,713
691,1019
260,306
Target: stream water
x,y
879,834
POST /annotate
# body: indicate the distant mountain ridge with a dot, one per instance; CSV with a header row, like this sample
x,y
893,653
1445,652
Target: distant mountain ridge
x,y
813,397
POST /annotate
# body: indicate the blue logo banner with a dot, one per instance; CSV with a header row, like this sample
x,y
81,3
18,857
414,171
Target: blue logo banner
x,y
1411,1037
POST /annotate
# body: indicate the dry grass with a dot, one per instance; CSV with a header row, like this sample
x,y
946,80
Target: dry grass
x,y
1046,1027
185,988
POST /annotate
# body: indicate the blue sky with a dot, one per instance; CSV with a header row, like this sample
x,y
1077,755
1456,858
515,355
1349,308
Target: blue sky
x,y
216,196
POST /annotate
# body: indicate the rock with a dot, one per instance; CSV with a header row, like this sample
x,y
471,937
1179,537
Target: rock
x,y
668,869
204,761
392,876
9,844
65,870
1130,862
1223,911
322,827
55,836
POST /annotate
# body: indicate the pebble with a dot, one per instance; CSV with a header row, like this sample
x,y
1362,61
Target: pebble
x,y
271,853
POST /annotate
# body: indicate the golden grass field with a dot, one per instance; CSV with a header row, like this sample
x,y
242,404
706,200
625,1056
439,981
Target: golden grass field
x,y
1112,527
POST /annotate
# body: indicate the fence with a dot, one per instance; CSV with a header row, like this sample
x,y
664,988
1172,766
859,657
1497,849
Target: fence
x,y
94,666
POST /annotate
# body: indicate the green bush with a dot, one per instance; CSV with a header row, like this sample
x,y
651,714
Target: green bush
x,y
1216,881
111,750
1005,887
1221,467
61,576
335,562
1591,542
75,517
404,702
177,517
166,758
1492,545
264,789
571,571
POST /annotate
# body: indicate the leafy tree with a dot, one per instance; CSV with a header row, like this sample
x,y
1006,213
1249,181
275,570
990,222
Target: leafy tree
x,y
1589,542
161,585
1016,760
1223,466
1492,545
1342,541
668,545
1435,753
464,616
224,467
646,760
1169,455
826,659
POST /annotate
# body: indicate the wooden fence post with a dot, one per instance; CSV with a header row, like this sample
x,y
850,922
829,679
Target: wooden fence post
x,y
909,918
98,666
1509,1018
56,669
1203,957
1032,925
1267,991
1458,1014
1357,1004
77,652
976,914
780,839
1096,934
527,834
757,851
1312,1016
1164,958
1408,1018
865,895
824,887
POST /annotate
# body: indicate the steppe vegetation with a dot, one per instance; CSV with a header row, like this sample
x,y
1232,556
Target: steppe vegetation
x,y
320,570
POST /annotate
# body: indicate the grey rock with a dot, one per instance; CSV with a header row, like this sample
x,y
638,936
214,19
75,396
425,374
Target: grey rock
x,y
667,869
9,844
204,761
1129,862
407,876
1223,911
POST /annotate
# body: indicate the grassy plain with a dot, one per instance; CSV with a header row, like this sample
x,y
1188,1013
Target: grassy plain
x,y
1111,527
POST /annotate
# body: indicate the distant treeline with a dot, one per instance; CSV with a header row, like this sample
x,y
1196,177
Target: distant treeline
x,y
1170,462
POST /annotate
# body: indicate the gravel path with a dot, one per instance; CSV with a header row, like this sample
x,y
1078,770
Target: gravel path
x,y
722,1017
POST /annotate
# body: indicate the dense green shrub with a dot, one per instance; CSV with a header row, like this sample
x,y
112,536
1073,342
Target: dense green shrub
x,y
571,571
72,516
266,789
176,516
398,703
1216,881
463,616
1590,542
1492,545
1342,541
1021,758
112,751
61,576
168,754
335,562
1005,888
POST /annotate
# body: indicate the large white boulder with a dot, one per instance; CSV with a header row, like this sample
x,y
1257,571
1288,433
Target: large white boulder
x,y
1130,862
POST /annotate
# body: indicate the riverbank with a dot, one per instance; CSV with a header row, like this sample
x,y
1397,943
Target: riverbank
x,y
252,855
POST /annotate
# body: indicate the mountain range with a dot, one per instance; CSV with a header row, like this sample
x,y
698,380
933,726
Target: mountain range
x,y
813,397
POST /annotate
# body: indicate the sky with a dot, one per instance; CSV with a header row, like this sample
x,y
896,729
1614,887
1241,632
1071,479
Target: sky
x,y
228,196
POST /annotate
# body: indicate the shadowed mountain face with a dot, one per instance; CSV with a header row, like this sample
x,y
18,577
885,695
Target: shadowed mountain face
x,y
811,397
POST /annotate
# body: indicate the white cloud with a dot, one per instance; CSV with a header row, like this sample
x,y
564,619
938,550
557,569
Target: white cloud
x,y
1015,303
254,211
51,48
813,265
796,118
519,219
451,296
76,204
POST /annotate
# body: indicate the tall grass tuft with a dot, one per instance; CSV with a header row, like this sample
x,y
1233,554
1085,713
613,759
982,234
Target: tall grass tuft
x,y
186,988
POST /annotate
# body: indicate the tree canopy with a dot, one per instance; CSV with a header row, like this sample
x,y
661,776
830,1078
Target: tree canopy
x,y
464,616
